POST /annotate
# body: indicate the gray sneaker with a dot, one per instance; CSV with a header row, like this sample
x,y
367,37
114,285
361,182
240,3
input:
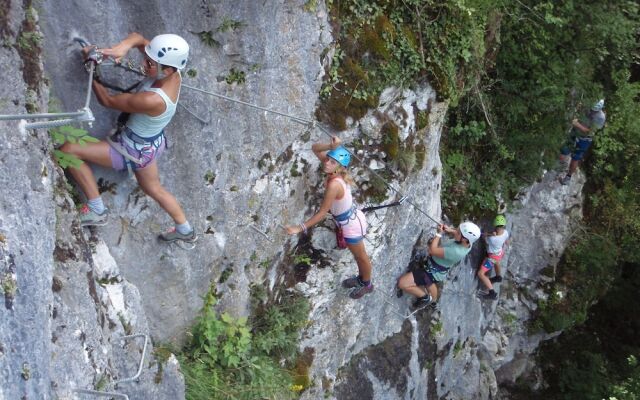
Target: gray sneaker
x,y
565,180
172,235
91,218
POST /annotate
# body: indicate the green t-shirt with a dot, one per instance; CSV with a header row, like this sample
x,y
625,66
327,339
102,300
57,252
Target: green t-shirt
x,y
453,253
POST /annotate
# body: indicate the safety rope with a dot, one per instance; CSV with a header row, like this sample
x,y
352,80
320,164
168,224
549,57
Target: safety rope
x,y
312,124
130,66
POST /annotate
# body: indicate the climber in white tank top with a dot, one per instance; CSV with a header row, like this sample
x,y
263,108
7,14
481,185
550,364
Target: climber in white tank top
x,y
142,140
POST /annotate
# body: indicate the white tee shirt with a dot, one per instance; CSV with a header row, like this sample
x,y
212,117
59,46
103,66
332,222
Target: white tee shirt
x,y
495,243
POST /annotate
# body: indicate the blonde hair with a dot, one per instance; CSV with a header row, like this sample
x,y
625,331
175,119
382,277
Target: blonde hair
x,y
346,176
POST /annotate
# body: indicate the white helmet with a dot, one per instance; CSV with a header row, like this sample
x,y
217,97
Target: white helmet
x,y
168,49
598,105
470,231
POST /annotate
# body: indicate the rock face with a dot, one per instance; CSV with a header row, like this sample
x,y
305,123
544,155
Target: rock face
x,y
71,293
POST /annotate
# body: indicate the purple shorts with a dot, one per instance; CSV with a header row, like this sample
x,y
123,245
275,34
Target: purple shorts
x,y
146,152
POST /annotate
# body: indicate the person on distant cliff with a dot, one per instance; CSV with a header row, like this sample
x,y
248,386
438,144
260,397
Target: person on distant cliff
x,y
141,140
581,137
495,242
350,222
442,256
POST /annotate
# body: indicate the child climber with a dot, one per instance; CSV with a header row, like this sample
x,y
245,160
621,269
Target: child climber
x,y
338,201
495,241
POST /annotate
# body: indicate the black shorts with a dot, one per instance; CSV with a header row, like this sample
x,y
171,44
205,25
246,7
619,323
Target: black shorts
x,y
422,277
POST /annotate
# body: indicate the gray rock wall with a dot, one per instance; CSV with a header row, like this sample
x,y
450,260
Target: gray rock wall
x,y
239,172
65,305
211,168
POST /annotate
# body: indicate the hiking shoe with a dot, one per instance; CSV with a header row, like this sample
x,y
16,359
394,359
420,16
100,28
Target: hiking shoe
x,y
172,235
496,279
352,282
422,302
565,180
91,218
490,295
361,290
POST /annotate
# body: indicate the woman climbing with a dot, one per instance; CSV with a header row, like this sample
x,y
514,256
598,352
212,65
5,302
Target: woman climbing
x,y
422,281
338,201
141,140
495,241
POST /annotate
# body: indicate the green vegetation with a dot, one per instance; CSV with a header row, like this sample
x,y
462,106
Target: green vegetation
x,y
235,76
436,328
210,177
588,269
207,38
457,348
229,24
383,43
29,41
515,73
69,134
237,358
598,359
551,62
302,259
8,285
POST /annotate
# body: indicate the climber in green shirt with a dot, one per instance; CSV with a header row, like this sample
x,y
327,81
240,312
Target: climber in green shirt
x,y
442,256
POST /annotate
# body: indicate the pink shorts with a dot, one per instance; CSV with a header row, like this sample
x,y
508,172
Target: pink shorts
x,y
491,260
355,227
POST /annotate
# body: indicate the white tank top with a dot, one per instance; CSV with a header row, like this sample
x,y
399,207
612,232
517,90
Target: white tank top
x,y
145,125
345,203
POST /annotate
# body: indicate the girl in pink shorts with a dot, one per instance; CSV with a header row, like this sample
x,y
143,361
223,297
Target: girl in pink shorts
x,y
339,202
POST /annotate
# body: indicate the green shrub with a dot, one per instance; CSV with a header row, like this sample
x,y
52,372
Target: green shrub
x,y
236,358
585,273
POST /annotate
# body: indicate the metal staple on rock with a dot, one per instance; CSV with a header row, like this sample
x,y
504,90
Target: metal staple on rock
x,y
84,115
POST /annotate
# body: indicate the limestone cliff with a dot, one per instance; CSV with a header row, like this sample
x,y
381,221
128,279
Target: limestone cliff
x,y
71,293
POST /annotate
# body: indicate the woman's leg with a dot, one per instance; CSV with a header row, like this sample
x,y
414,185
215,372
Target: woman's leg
x,y
482,275
497,267
149,181
408,285
362,259
97,153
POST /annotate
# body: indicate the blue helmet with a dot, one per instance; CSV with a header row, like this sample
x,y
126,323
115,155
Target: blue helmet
x,y
341,155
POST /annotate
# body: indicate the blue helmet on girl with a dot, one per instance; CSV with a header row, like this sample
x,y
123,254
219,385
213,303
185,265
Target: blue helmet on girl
x,y
341,155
